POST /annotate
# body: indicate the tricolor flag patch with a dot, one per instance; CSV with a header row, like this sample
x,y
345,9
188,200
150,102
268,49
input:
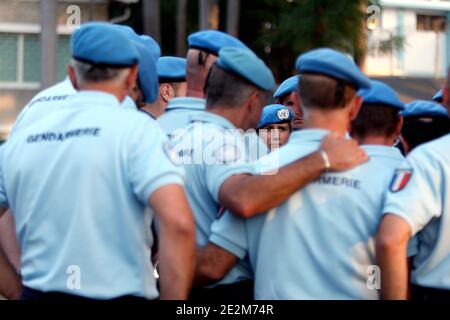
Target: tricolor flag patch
x,y
401,179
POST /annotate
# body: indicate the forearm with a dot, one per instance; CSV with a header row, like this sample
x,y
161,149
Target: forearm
x,y
10,282
391,248
202,275
176,264
394,273
8,239
252,197
213,264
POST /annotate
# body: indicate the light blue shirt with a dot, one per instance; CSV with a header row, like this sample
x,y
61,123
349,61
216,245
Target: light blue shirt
x,y
424,203
178,112
78,182
319,243
212,150
49,100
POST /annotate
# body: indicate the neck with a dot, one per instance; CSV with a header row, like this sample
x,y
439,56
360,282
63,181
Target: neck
x,y
116,92
195,93
336,121
231,114
376,140
156,109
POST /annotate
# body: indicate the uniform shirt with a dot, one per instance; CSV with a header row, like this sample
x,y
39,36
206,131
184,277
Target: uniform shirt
x,y
423,202
212,150
44,102
178,113
78,182
48,100
319,243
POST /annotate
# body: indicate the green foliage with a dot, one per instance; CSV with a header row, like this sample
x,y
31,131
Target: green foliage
x,y
277,30
281,30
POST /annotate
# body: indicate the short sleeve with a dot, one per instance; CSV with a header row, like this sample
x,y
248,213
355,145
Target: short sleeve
x,y
228,160
3,198
415,191
152,164
229,233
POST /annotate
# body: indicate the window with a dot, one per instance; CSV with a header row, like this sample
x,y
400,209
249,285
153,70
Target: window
x,y
8,57
431,23
20,59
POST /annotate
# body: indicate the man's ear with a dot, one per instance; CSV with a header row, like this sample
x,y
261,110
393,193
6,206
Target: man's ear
x,y
72,77
356,106
132,78
166,91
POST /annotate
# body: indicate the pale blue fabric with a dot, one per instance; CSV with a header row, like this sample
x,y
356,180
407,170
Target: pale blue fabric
x,y
424,203
78,182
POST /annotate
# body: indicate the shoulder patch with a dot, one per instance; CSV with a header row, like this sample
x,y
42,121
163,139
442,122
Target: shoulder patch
x,y
401,179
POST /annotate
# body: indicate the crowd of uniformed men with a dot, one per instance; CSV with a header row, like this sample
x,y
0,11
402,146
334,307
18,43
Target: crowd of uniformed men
x,y
148,177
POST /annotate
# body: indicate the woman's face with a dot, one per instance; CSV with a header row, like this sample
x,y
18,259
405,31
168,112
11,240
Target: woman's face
x,y
275,135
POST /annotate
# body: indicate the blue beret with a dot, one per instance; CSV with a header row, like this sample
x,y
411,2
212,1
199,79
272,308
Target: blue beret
x,y
247,65
439,96
275,113
286,87
334,64
102,43
424,108
171,68
154,49
381,93
212,41
147,72
148,50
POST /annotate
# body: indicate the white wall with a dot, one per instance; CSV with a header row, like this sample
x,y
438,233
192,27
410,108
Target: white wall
x,y
419,55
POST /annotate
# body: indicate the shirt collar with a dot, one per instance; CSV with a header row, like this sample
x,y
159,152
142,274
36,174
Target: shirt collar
x,y
209,117
147,113
93,98
128,103
310,135
188,103
384,151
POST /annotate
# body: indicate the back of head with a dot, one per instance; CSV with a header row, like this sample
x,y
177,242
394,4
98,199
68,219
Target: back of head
x,y
235,76
324,93
102,53
226,89
424,122
329,79
379,115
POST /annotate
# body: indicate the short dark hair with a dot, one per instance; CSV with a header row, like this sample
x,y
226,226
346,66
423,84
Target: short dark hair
x,y
226,88
418,130
375,120
175,86
319,91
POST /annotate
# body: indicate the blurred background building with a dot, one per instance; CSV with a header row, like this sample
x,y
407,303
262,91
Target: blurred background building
x,y
406,43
